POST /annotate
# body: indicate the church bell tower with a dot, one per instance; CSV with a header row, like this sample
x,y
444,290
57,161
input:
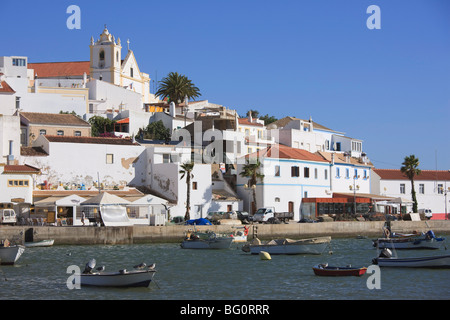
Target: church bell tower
x,y
106,58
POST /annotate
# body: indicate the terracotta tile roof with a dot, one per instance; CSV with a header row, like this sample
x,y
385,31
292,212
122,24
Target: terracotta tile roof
x,y
33,151
94,140
130,192
246,122
280,151
284,121
60,69
4,87
21,169
396,174
54,118
340,158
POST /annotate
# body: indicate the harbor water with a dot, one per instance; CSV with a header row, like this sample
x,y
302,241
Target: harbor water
x,y
41,273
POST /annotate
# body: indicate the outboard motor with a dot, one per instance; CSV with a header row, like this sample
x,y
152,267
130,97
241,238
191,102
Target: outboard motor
x,y
89,266
385,253
430,234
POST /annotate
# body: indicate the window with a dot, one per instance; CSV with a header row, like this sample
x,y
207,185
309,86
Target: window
x,y
338,172
325,174
365,174
277,199
356,174
60,132
18,183
166,158
295,171
440,188
43,132
306,172
109,158
315,173
277,171
77,133
338,146
117,56
305,194
402,188
18,62
421,188
347,173
131,72
194,185
101,56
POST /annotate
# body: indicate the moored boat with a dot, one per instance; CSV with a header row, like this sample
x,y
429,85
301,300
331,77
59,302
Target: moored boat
x,y
207,240
289,246
325,270
385,259
42,243
426,240
139,277
9,254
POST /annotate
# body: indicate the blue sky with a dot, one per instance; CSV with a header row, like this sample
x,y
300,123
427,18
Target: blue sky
x,y
389,87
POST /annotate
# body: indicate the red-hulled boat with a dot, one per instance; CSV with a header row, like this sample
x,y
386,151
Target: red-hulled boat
x,y
325,270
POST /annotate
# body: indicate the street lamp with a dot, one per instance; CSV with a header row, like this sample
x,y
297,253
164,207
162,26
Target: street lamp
x,y
354,193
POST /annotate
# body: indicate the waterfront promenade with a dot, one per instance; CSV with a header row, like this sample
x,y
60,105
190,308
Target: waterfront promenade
x,y
74,235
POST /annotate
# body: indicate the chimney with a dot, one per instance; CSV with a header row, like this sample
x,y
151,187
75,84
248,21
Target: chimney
x,y
250,119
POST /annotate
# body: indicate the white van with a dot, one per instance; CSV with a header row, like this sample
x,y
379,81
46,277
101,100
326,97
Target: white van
x,y
8,216
427,212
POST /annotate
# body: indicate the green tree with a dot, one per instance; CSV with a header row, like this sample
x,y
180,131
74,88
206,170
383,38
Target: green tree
x,y
410,167
268,119
176,87
251,170
155,131
186,170
100,125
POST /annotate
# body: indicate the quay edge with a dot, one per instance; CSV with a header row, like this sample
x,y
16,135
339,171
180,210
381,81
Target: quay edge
x,y
78,235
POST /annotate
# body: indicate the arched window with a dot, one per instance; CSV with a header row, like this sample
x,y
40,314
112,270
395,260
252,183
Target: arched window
x,y
117,56
102,55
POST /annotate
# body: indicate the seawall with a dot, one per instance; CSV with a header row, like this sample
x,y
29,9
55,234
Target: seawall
x,y
75,235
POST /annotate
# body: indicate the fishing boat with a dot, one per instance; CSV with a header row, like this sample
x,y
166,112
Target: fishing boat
x,y
240,235
9,254
385,259
326,270
426,240
141,276
289,246
42,243
206,240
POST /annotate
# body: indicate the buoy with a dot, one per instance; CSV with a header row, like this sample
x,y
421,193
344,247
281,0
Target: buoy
x,y
264,255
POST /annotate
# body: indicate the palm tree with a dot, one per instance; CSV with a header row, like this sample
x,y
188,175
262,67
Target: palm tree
x,y
187,168
252,170
176,87
410,169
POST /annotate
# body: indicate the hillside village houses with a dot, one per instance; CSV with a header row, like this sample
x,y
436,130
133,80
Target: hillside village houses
x,y
49,160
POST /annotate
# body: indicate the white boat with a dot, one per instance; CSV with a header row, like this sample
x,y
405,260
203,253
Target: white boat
x,y
240,235
140,277
289,246
42,243
385,259
10,254
410,241
208,240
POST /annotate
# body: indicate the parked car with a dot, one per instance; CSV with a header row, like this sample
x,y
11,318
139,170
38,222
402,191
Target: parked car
x,y
243,216
268,215
8,216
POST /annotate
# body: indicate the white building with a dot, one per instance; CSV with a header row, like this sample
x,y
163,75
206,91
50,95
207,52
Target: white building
x,y
313,137
76,161
432,188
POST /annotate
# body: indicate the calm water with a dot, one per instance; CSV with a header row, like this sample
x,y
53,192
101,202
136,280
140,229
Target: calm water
x,y
216,275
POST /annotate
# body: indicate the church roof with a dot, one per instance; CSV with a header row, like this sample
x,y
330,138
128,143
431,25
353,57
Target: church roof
x,y
60,69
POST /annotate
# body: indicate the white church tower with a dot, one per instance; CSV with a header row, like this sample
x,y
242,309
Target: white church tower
x,y
106,60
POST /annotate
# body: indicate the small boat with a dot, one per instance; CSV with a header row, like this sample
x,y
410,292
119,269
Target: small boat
x,y
207,240
141,276
325,270
410,241
240,236
9,254
385,259
42,243
289,246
